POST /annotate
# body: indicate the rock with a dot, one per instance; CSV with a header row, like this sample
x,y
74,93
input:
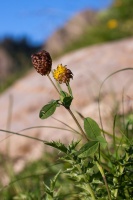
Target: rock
x,y
72,30
21,103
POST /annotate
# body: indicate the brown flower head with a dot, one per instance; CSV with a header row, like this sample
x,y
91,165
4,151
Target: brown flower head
x,y
62,74
42,62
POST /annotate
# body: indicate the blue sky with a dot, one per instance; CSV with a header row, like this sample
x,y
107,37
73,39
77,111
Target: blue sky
x,y
38,19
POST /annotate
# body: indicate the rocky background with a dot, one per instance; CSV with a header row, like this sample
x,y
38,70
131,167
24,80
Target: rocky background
x,y
90,66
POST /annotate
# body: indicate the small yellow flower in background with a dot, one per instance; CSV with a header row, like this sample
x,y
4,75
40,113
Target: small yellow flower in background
x,y
112,24
62,74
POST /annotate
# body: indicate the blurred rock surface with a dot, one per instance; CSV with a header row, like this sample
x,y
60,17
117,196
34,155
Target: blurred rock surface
x,y
71,31
90,67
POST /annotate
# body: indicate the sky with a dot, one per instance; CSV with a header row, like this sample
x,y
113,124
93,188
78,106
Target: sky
x,y
38,19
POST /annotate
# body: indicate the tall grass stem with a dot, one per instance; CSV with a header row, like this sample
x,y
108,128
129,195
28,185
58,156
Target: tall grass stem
x,y
104,178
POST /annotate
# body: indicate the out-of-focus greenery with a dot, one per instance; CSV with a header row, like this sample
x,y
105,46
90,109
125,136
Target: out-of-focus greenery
x,y
28,185
19,52
113,23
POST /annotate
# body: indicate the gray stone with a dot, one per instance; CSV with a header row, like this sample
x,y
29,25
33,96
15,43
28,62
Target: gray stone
x,y
20,104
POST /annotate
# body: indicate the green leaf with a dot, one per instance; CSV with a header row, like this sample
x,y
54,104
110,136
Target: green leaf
x,y
48,109
58,146
73,145
91,128
102,141
64,94
93,131
88,149
66,99
53,182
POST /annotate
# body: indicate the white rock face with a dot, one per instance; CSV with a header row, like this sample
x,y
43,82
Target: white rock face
x,y
90,67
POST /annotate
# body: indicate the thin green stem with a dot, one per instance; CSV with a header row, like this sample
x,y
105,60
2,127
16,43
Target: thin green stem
x,y
53,83
72,129
104,178
69,90
76,121
71,113
6,131
114,138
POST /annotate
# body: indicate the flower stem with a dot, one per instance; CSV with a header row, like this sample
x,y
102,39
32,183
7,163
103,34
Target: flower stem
x,y
69,89
69,110
76,121
53,83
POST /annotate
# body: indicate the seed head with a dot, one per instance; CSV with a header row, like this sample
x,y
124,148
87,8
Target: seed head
x,y
62,74
42,62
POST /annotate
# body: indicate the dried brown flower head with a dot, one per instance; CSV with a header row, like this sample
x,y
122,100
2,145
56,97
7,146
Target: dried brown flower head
x,y
42,62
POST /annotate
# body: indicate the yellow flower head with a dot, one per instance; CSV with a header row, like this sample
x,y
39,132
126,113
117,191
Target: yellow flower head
x,y
112,24
62,74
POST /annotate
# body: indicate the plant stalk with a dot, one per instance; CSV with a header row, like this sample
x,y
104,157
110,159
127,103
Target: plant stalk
x,y
69,89
53,83
71,113
76,121
104,178
15,133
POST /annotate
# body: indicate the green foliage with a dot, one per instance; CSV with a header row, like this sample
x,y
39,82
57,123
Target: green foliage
x,y
89,168
18,52
66,99
97,170
50,191
121,178
93,131
48,109
103,31
26,196
88,149
58,146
